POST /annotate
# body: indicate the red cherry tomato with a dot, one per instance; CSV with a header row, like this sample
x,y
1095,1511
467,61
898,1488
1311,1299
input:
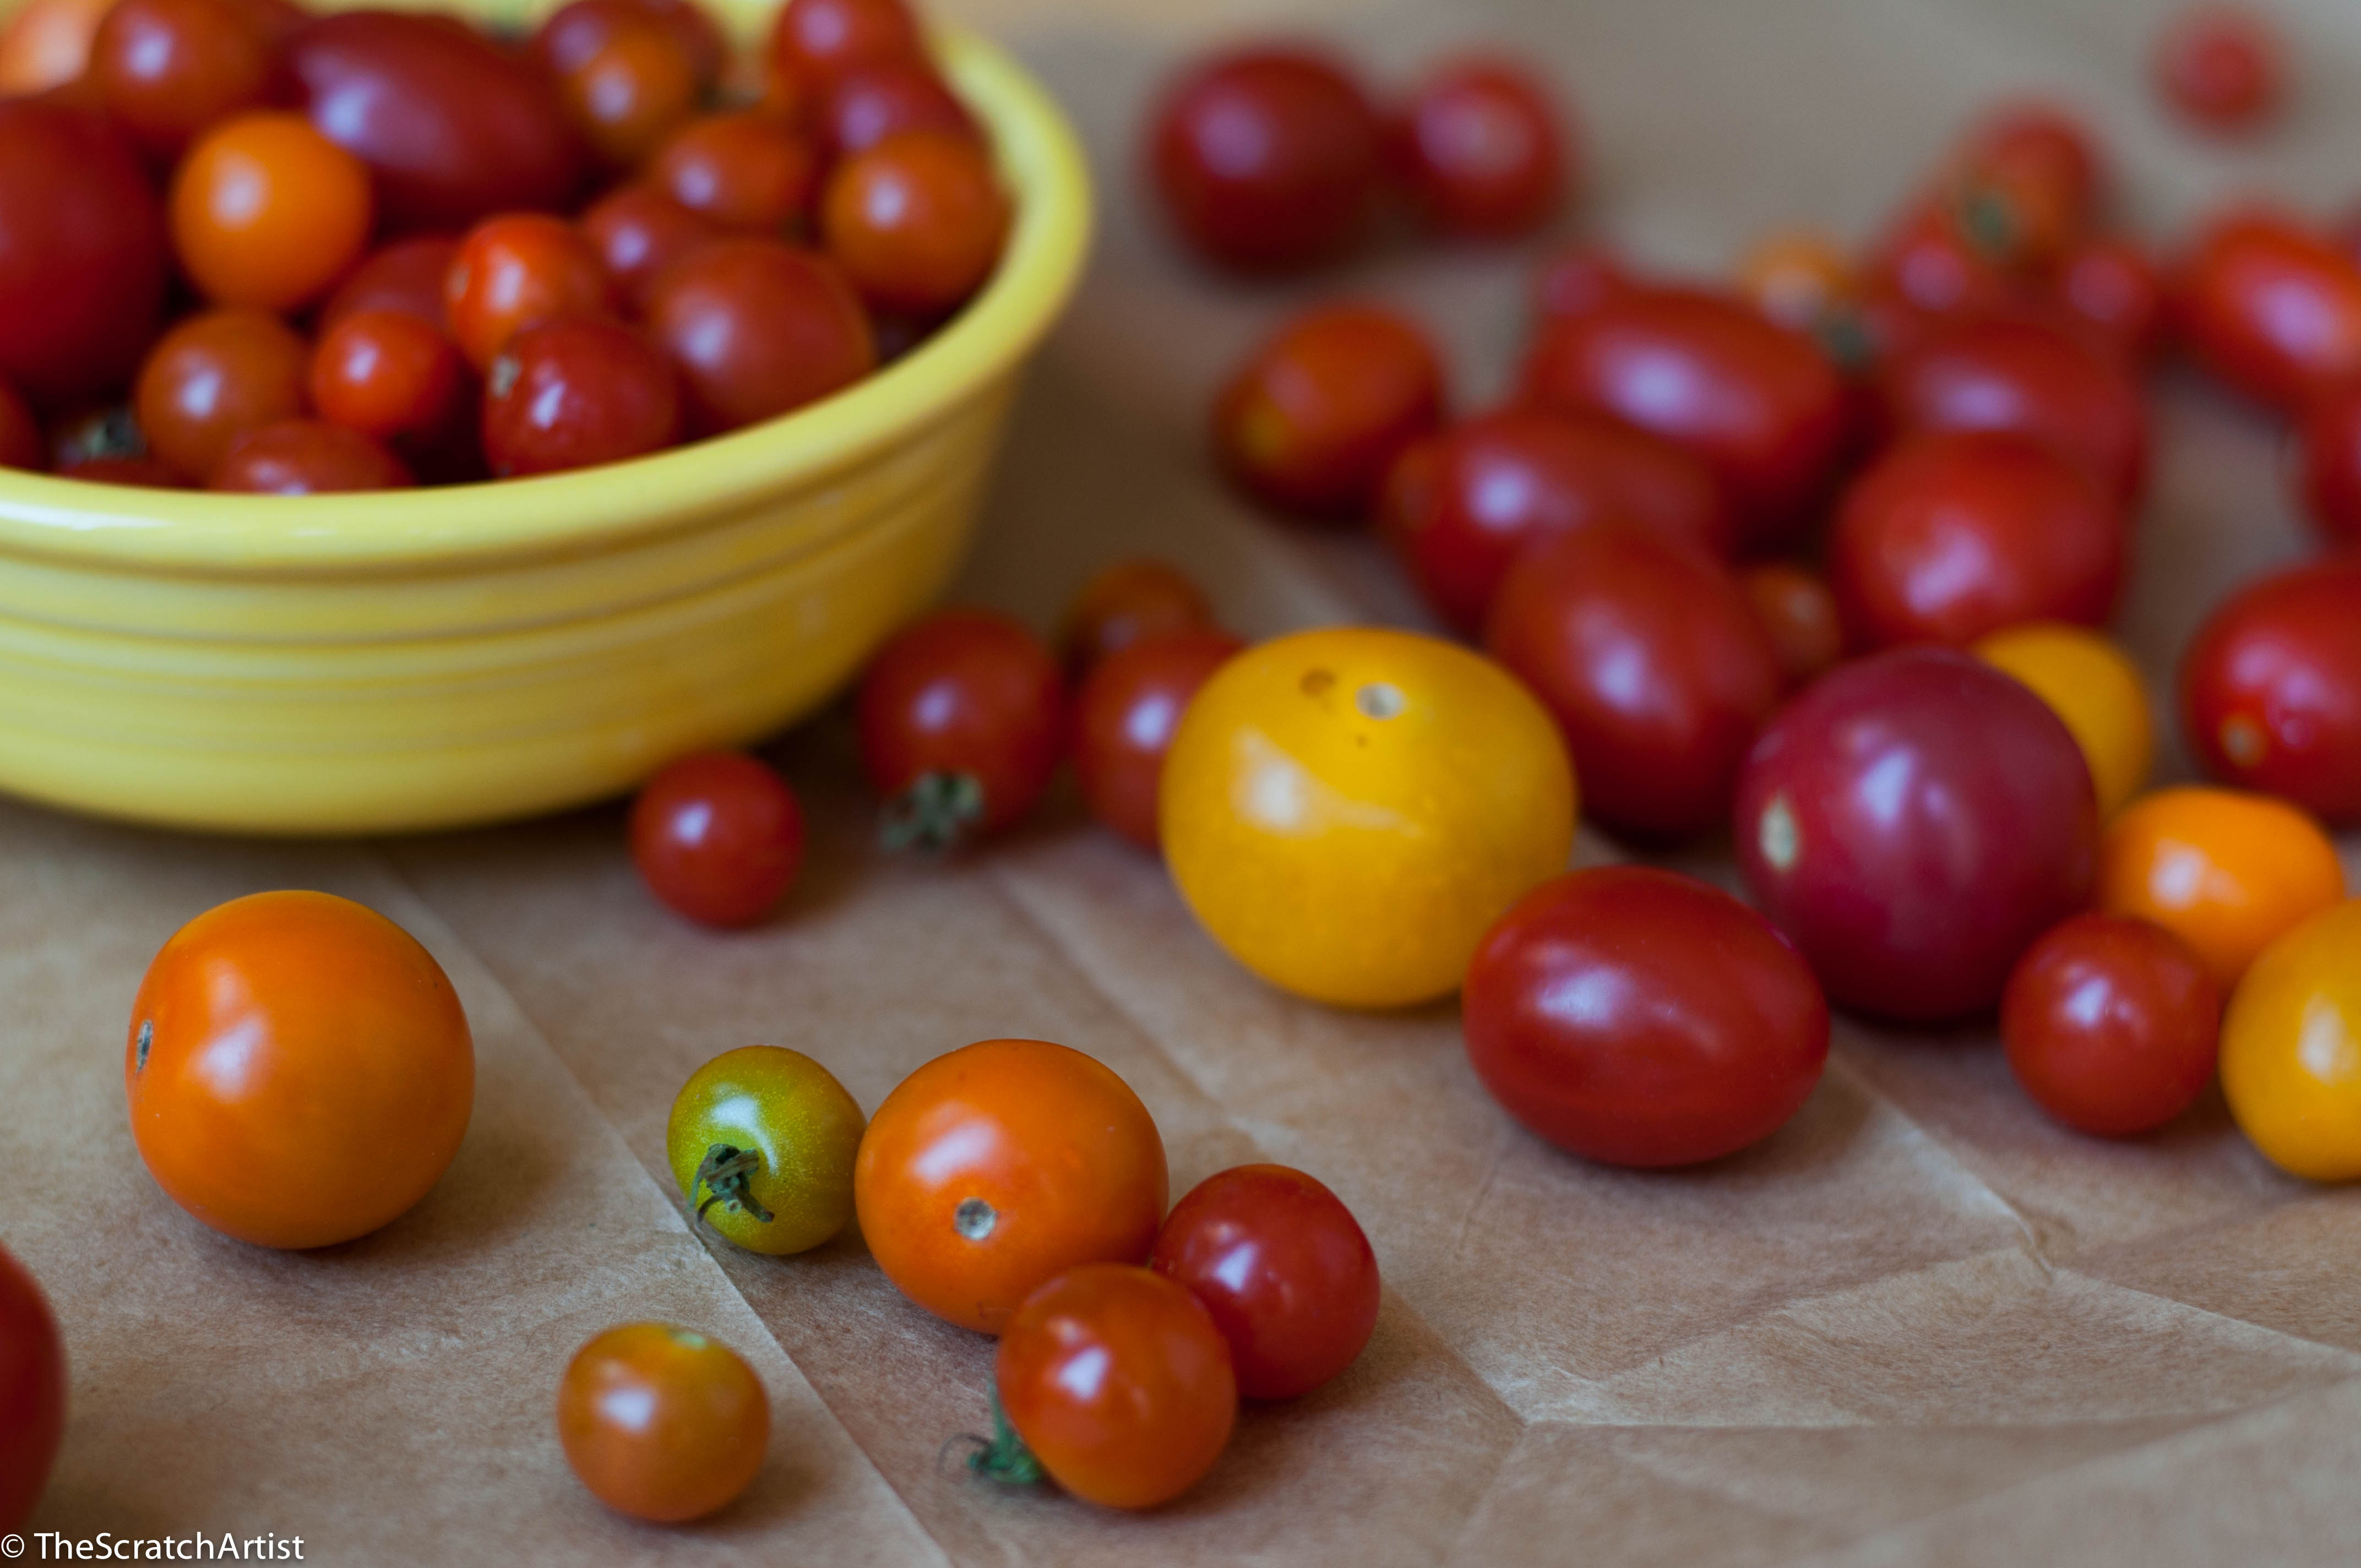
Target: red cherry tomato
x,y
308,457
2111,1024
2329,449
758,329
1797,610
1319,412
1267,159
1460,505
1930,260
815,42
916,221
1912,821
1282,1267
2271,688
1125,715
576,31
719,837
1126,603
749,171
638,231
1949,537
1639,1017
20,434
2114,286
519,270
214,378
386,374
406,276
1481,150
168,69
574,393
662,1424
32,1392
2219,65
1577,280
638,85
961,720
1760,403
863,107
2272,307
2026,182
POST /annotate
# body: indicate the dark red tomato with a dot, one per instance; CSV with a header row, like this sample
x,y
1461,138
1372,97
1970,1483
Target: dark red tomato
x,y
308,457
757,329
20,434
2114,285
406,276
144,472
638,231
2111,1024
1949,537
2219,65
719,837
169,68
576,31
214,378
816,42
454,128
1758,403
32,1392
1648,655
1578,280
864,107
1320,410
2271,688
1912,821
2272,306
519,270
574,393
81,253
1125,715
916,221
961,718
2017,374
2329,447
1283,1267
1267,159
1128,602
1797,610
1480,150
386,374
634,89
1460,505
1639,1017
748,171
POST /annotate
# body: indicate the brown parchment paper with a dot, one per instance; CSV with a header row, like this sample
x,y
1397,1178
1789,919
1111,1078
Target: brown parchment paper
x,y
1920,1325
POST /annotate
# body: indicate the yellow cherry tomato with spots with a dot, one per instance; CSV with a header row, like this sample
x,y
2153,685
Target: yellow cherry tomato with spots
x,y
2224,871
762,1141
2094,686
1347,810
2291,1048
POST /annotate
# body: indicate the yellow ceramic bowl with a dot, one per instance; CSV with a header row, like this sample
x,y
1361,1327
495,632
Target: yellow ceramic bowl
x,y
422,659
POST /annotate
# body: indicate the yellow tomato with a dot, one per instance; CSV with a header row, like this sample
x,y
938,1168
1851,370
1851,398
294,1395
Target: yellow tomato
x,y
2291,1048
2224,871
1347,810
2093,685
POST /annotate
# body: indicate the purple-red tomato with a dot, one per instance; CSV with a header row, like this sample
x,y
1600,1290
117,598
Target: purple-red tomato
x,y
2111,1024
2271,688
719,837
32,1392
1125,715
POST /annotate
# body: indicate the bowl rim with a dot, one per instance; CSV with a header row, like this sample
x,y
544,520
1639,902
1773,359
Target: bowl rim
x,y
124,528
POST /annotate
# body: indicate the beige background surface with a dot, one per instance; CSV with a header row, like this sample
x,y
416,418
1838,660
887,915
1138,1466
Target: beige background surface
x,y
1920,1325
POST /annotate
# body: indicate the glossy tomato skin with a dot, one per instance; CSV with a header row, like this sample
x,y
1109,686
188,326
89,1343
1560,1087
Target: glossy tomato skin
x,y
2291,1048
308,457
1460,505
1912,821
2111,1024
863,107
2114,285
575,33
995,1168
915,220
407,275
750,171
758,329
81,253
268,211
762,1141
1708,1032
1120,1385
1322,407
46,44
1127,602
574,393
816,42
215,379
386,374
2329,452
636,87
1481,150
661,1422
1657,670
2271,306
2271,688
1799,613
719,837
32,1392
1267,159
520,270
965,695
1758,403
638,231
168,69
2219,66
1283,1267
2092,684
2226,871
354,1070
1126,713
1951,537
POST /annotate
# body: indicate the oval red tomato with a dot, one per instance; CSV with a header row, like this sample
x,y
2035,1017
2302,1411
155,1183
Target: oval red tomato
x,y
2272,306
1322,407
2271,688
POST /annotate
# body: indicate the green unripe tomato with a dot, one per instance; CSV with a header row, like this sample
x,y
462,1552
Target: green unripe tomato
x,y
762,1141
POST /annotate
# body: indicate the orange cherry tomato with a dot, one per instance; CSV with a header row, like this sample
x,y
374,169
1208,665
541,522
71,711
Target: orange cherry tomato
x,y
992,1169
2291,1048
2224,871
917,220
663,1423
299,1069
519,270
268,211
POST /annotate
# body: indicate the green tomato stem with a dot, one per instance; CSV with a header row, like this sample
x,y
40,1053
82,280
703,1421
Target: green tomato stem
x,y
728,1174
1005,1460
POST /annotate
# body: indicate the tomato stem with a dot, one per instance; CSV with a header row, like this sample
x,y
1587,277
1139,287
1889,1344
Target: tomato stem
x,y
1005,1460
728,1173
934,813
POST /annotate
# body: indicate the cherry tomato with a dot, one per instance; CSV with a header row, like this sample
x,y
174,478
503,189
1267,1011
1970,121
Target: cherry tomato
x,y
2272,306
299,1069
268,211
758,329
1321,819
1912,821
1648,655
406,276
2329,452
1577,280
2219,66
1759,403
863,107
2271,688
2026,181
453,127
308,457
1321,409
638,231
749,171
661,1422
145,472
1798,278
1124,718
815,42
81,253
576,31
2224,871
574,393
916,221
214,378
719,837
168,69
32,1392
633,91
2114,285
47,43
761,1140
995,1168
1480,150
1126,603
961,720
1282,1267
1949,537
2095,688
2291,1048
385,373
520,270
20,434
1267,159
2111,1024
1460,505
1799,614
1932,260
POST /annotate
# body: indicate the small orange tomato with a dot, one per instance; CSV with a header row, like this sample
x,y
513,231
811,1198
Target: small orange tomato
x,y
299,1069
2095,688
662,1424
2224,871
1003,1163
268,211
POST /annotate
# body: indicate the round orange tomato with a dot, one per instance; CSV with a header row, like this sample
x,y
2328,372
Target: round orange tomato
x,y
2224,871
2291,1048
994,1168
662,1424
2095,688
299,1069
268,211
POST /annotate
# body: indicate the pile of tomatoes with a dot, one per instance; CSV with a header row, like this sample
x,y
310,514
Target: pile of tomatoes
x,y
248,248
